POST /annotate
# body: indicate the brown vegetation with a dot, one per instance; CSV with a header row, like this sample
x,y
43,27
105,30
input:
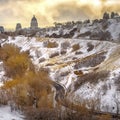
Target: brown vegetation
x,y
91,61
76,47
78,52
93,78
15,62
63,52
54,54
30,90
65,45
27,87
49,44
90,47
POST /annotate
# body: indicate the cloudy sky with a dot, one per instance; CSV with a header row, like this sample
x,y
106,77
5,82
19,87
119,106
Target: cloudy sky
x,y
49,11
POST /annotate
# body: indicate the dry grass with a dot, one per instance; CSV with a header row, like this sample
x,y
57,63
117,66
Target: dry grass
x,y
15,62
93,78
76,47
90,61
26,83
49,44
41,39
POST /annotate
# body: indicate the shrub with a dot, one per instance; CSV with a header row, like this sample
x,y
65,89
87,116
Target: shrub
x,y
65,45
76,47
26,84
65,73
79,73
63,52
8,50
16,65
90,47
49,44
74,58
105,117
41,114
117,82
57,114
15,62
90,61
93,78
78,52
41,60
31,89
54,54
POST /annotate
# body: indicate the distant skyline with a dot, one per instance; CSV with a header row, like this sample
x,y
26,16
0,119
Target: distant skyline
x,y
49,11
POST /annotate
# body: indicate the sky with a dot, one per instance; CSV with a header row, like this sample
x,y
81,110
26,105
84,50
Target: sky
x,y
49,11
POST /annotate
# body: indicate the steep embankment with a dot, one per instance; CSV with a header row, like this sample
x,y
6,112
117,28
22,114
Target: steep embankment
x,y
88,69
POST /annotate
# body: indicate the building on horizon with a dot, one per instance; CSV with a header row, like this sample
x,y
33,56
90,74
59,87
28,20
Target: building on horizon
x,y
1,29
18,26
34,23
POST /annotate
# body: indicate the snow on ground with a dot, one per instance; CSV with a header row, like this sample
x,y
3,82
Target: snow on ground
x,y
2,73
6,114
62,66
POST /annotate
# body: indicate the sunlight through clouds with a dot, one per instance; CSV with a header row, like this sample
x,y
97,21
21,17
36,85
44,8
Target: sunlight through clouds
x,y
49,11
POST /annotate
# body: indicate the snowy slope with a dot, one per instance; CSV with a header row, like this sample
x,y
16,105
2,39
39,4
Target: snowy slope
x,y
108,30
6,114
69,65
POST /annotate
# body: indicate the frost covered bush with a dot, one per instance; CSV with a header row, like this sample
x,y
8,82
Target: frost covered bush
x,y
90,47
63,52
93,78
78,52
65,45
41,60
90,61
117,82
54,54
106,36
49,44
65,73
105,24
75,47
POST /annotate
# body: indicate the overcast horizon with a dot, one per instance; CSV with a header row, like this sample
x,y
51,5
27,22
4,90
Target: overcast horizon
x,y
47,12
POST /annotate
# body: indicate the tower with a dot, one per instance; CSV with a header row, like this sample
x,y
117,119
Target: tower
x,y
34,23
18,27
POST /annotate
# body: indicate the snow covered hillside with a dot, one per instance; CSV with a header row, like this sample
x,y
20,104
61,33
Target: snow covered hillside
x,y
96,30
88,69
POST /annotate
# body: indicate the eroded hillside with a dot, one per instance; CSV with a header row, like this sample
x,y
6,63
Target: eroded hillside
x,y
88,70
